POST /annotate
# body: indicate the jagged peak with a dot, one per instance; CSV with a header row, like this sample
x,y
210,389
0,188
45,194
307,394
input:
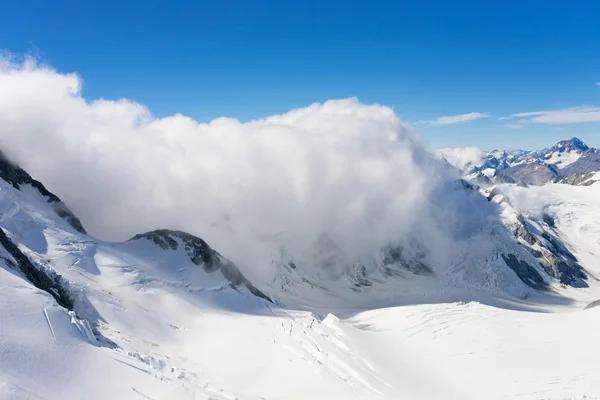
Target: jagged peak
x,y
573,144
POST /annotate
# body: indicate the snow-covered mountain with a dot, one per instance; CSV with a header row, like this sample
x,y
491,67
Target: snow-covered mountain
x,y
165,316
565,161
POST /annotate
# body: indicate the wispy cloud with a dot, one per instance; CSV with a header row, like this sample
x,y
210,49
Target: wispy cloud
x,y
516,126
563,116
597,83
456,119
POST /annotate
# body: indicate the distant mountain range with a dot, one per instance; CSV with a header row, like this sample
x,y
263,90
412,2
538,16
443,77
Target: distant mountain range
x,y
568,161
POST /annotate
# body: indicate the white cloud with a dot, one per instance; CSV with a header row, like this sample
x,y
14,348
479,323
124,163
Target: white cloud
x,y
597,83
516,126
462,157
352,173
562,116
456,119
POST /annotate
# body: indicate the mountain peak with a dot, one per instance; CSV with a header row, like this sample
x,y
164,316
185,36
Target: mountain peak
x,y
573,144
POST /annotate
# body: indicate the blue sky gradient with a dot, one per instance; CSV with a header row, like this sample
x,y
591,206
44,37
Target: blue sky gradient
x,y
249,59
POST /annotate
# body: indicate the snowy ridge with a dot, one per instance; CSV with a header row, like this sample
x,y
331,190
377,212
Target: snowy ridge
x,y
157,317
560,162
202,255
16,176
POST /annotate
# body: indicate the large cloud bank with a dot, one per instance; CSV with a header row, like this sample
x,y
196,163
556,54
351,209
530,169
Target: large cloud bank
x,y
344,174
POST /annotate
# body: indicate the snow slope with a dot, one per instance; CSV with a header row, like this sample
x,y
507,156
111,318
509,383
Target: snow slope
x,y
576,210
148,323
47,354
472,351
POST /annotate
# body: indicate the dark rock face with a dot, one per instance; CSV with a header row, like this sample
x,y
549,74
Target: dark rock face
x,y
63,211
588,162
201,254
532,174
522,232
561,264
576,179
549,220
51,283
17,176
501,177
527,273
555,259
360,277
394,256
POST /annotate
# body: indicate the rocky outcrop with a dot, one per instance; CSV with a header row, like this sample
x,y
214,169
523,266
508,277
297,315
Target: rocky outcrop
x,y
578,179
560,263
548,220
522,232
394,256
554,258
500,177
526,272
50,282
201,254
17,176
539,238
588,162
532,174
359,277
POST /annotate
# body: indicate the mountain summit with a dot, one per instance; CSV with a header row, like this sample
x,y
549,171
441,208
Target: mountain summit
x,y
572,145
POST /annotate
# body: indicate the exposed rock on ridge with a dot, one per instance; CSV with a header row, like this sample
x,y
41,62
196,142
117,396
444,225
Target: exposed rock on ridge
x,y
201,254
17,176
50,283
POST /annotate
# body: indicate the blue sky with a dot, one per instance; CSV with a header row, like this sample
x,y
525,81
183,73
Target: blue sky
x,y
248,59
